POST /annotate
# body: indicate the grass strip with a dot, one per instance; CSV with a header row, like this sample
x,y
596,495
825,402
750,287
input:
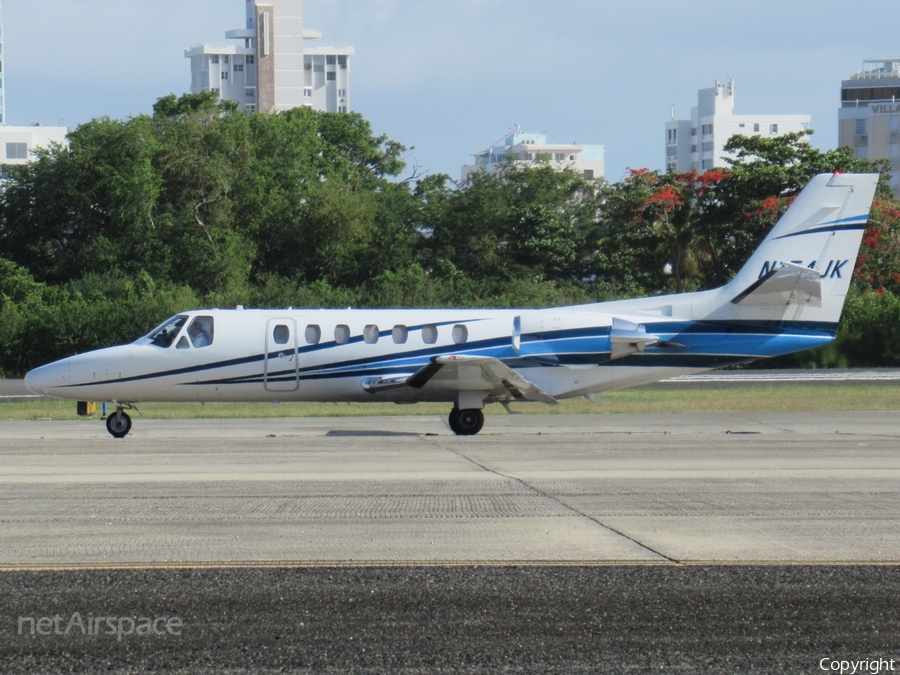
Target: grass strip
x,y
787,398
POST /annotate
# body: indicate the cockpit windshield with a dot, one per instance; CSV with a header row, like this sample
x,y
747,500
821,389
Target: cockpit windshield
x,y
164,334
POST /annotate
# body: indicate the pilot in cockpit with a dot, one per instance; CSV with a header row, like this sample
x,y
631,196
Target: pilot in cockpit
x,y
199,332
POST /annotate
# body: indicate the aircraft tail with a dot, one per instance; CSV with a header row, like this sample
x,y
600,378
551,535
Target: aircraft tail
x,y
803,268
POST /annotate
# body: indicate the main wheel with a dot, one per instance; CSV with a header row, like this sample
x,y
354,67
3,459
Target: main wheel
x,y
118,424
466,422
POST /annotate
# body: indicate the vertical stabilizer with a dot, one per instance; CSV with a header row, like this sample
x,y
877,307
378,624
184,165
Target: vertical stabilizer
x,y
803,268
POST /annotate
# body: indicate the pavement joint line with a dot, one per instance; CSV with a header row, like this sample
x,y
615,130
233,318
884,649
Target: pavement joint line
x,y
559,501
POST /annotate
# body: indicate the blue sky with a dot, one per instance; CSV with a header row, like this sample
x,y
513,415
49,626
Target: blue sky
x,y
449,77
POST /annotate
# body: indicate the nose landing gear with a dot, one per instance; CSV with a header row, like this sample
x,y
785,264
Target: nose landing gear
x,y
119,423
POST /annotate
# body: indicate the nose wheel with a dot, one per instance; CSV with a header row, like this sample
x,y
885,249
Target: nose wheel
x,y
467,422
119,423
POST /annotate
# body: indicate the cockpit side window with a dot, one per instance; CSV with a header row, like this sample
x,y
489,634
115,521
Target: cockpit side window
x,y
164,335
201,331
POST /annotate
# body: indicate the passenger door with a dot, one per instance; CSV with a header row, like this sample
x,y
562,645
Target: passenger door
x,y
282,367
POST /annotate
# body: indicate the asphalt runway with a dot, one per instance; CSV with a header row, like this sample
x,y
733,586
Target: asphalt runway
x,y
756,542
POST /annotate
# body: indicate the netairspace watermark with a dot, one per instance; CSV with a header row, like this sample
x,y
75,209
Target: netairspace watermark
x,y
120,626
860,667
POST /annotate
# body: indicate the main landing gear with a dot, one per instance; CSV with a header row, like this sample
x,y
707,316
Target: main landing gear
x,y
467,422
119,423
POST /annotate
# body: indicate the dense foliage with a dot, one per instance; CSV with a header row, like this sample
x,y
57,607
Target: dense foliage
x,y
202,205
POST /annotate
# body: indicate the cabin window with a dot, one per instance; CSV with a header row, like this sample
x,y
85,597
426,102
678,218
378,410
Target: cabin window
x,y
400,334
164,335
313,334
460,334
281,334
342,334
370,334
201,331
429,334
183,343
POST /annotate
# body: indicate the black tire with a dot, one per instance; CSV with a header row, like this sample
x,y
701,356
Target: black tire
x,y
118,424
466,422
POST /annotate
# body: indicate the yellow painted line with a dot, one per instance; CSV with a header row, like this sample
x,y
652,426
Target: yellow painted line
x,y
313,564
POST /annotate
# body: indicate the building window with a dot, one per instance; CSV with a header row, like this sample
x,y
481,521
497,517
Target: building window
x,y
224,74
862,127
307,93
707,129
331,76
214,58
342,61
16,151
342,108
895,151
773,129
756,127
224,59
251,59
342,93
331,59
895,124
238,68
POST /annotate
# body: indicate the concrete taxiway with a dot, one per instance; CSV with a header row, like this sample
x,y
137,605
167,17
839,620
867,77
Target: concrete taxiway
x,y
530,489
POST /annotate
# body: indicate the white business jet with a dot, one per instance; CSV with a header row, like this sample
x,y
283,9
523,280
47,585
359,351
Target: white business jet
x,y
787,297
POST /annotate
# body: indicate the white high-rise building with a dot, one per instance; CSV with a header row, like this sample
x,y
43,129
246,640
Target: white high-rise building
x,y
699,143
869,117
525,148
269,67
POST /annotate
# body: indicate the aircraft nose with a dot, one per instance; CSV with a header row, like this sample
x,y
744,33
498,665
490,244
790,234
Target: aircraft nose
x,y
45,379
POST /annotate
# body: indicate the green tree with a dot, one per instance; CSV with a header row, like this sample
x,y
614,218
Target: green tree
x,y
521,222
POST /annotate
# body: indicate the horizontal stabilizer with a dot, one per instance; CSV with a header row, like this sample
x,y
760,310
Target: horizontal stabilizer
x,y
628,338
790,284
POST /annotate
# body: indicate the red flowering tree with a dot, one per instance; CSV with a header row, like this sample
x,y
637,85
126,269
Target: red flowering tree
x,y
878,264
660,219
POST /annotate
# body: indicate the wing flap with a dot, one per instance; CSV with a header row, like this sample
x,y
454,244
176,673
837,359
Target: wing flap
x,y
465,373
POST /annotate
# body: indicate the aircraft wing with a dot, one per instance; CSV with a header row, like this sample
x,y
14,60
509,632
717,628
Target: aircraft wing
x,y
789,284
467,373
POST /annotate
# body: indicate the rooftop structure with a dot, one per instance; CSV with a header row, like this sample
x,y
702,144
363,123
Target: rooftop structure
x,y
268,66
869,116
523,148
